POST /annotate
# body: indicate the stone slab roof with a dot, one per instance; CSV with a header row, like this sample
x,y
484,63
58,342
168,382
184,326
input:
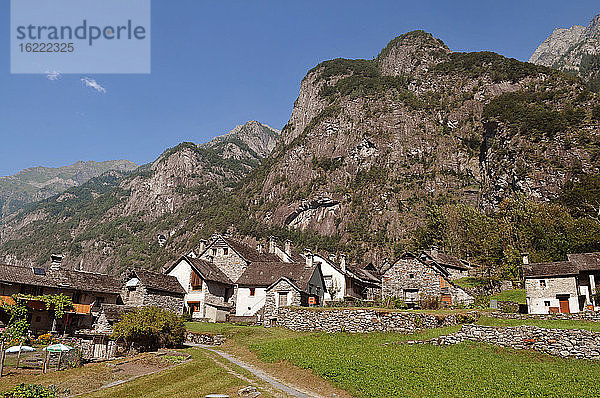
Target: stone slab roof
x,y
209,271
448,260
61,279
248,253
160,282
585,261
267,273
558,268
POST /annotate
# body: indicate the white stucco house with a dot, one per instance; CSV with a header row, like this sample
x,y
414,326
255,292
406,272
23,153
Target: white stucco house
x,y
209,292
562,286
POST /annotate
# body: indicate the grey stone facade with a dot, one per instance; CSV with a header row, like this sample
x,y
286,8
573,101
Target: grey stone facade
x,y
365,320
294,298
146,289
411,280
226,259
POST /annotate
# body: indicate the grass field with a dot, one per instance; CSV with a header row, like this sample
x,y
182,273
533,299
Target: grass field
x,y
197,378
374,366
516,295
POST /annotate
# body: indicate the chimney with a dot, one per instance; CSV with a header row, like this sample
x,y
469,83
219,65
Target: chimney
x,y
271,244
343,262
201,246
434,251
331,258
56,261
288,247
309,258
259,248
525,258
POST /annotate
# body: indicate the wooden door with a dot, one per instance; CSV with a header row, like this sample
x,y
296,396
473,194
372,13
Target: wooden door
x,y
564,306
447,299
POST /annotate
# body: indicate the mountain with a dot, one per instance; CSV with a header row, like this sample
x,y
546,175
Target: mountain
x,y
122,219
37,183
373,145
419,145
575,50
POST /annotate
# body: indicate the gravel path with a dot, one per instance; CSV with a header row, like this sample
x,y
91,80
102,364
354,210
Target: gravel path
x,y
258,373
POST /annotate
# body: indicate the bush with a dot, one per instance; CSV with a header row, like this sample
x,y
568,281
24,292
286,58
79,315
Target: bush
x,y
31,391
151,328
430,303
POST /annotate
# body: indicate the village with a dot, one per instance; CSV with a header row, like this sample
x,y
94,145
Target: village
x,y
226,280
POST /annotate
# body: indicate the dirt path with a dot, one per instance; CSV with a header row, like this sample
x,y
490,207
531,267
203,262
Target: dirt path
x,y
290,390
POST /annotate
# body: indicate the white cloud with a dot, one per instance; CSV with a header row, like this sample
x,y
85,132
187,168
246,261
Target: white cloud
x,y
89,82
53,75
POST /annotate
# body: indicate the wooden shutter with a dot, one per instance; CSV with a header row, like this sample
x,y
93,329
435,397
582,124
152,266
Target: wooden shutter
x,y
196,281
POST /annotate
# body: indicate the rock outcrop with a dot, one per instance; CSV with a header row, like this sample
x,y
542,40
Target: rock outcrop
x,y
575,50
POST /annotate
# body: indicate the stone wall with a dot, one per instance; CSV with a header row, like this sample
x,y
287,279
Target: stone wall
x,y
365,320
168,301
581,344
204,338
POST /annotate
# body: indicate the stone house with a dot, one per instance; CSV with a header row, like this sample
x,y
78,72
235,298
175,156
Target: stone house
x,y
87,290
455,267
208,291
236,275
305,288
412,278
145,288
346,282
562,286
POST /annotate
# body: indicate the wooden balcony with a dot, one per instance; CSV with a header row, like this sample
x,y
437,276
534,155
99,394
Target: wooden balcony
x,y
41,306
81,308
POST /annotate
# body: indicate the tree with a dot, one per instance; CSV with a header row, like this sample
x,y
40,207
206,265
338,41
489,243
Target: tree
x,y
150,328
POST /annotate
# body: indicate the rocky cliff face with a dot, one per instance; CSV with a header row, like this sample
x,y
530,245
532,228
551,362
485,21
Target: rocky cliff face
x,y
37,183
575,50
370,144
119,220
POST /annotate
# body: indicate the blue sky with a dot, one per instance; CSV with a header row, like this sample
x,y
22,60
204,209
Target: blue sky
x,y
219,64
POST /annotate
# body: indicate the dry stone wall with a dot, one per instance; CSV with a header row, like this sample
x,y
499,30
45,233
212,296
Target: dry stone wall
x,y
581,344
365,320
204,338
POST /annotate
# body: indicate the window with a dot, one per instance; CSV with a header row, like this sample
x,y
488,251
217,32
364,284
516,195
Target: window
x,y
542,283
283,299
225,251
547,303
411,276
196,281
214,251
328,280
252,291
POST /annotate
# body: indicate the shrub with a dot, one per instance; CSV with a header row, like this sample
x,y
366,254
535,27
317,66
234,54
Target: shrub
x,y
31,391
430,303
150,328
